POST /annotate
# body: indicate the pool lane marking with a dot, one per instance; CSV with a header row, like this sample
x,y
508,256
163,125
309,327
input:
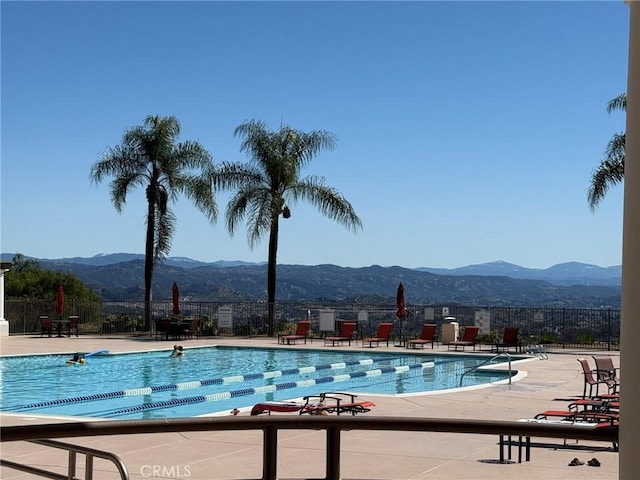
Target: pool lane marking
x,y
135,392
265,389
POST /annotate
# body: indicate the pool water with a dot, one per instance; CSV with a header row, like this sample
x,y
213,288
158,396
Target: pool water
x,y
210,380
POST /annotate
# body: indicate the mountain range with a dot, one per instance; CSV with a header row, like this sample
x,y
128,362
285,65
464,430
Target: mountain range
x,y
572,285
569,273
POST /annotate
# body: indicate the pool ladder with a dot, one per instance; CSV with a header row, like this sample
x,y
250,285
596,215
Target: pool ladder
x,y
474,368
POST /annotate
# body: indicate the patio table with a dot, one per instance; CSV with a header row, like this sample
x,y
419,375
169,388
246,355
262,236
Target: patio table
x,y
59,324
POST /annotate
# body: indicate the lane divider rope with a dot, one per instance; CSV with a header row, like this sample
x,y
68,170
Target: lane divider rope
x,y
132,392
266,389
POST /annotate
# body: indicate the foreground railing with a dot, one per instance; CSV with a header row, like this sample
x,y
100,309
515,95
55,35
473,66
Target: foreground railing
x,y
89,453
332,425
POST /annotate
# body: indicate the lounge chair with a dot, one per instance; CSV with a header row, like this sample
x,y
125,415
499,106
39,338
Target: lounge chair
x,y
606,371
591,379
428,335
509,340
45,325
335,402
301,333
588,416
383,334
346,332
585,409
468,339
323,404
601,405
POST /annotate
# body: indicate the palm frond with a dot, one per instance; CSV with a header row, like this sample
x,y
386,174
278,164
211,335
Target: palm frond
x,y
229,176
248,203
329,202
610,172
617,103
261,217
616,148
199,189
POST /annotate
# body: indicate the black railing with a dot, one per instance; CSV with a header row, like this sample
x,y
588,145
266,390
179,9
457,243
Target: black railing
x,y
563,327
333,426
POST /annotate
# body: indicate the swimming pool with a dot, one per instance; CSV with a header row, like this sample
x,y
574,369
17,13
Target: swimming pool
x,y
209,380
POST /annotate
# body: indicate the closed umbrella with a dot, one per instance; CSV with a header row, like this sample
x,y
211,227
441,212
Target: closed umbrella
x,y
402,311
176,299
60,301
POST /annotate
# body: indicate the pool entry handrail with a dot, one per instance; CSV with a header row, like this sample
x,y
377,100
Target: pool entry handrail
x,y
485,362
89,454
333,425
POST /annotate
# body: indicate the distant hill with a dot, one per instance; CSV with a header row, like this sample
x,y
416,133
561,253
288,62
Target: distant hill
x,y
567,274
570,273
111,258
237,281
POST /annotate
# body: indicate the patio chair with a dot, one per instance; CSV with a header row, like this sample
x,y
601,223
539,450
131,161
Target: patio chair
x,y
72,325
163,327
605,370
302,330
591,379
190,328
45,325
468,339
428,335
383,334
346,333
509,340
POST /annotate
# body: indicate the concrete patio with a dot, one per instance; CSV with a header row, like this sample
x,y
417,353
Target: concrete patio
x,y
365,454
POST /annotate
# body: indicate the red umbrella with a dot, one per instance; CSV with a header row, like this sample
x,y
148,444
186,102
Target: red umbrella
x,y
402,312
60,301
176,299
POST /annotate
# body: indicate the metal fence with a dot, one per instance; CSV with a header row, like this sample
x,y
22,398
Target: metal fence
x,y
589,328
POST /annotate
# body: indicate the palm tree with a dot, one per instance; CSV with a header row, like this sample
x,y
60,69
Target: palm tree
x,y
611,170
270,185
150,157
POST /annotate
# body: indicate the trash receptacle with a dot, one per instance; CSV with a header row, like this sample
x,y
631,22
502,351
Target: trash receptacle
x,y
450,331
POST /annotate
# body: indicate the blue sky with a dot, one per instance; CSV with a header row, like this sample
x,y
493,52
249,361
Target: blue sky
x,y
467,131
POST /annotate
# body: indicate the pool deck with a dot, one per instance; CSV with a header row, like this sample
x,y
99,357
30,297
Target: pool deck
x,y
548,384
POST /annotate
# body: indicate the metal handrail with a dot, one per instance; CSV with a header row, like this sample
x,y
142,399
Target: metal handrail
x,y
71,467
484,362
333,425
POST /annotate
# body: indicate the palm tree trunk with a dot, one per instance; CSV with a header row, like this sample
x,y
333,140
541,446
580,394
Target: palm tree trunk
x,y
271,276
149,261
